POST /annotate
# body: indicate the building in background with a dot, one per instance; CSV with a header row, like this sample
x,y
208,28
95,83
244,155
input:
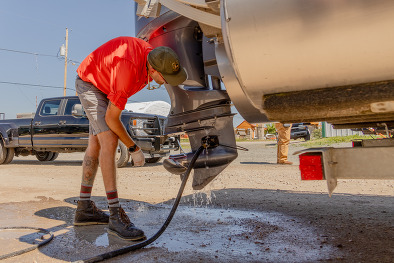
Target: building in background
x,y
245,130
329,131
250,131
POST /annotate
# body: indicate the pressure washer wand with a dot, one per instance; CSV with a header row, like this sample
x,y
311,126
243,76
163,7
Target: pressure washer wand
x,y
207,142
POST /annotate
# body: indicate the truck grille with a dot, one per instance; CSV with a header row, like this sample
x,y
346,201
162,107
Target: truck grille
x,y
147,127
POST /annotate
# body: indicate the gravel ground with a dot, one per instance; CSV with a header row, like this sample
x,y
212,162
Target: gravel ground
x,y
254,211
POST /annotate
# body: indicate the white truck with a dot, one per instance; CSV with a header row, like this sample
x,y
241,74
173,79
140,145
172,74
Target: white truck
x,y
289,61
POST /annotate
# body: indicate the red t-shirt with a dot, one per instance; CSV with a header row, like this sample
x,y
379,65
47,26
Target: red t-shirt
x,y
117,68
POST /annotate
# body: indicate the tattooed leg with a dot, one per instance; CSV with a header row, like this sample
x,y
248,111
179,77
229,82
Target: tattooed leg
x,y
89,170
89,167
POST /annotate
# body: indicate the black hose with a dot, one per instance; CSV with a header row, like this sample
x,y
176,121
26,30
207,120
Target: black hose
x,y
124,250
20,252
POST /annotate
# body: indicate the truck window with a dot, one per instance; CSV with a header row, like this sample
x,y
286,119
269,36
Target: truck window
x,y
69,106
50,108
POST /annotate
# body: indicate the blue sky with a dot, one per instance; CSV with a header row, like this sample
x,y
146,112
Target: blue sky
x,y
40,27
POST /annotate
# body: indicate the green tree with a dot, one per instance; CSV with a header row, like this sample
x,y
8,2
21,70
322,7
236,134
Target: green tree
x,y
270,128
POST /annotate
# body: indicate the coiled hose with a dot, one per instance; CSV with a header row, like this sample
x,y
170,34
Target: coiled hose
x,y
22,251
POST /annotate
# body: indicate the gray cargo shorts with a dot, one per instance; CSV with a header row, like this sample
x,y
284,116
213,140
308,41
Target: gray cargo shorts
x,y
95,104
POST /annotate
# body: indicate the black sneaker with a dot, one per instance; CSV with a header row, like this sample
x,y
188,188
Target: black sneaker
x,y
88,214
120,225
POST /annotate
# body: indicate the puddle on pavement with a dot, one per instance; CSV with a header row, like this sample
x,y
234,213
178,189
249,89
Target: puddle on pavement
x,y
225,233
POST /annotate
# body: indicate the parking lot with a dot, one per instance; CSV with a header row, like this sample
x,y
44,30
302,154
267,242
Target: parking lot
x,y
254,211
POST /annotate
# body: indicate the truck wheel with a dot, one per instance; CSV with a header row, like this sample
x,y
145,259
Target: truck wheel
x,y
153,159
122,155
3,151
55,155
9,156
44,156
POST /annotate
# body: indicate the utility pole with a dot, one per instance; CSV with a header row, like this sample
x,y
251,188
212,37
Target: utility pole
x,y
65,64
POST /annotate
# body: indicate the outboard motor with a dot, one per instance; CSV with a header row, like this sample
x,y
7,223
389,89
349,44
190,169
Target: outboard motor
x,y
207,111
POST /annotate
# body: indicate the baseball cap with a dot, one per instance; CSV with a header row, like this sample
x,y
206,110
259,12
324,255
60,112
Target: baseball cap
x,y
165,60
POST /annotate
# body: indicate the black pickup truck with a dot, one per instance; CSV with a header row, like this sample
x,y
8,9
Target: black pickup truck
x,y
300,130
61,126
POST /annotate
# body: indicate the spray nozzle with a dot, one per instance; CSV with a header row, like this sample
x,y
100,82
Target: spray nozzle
x,y
210,141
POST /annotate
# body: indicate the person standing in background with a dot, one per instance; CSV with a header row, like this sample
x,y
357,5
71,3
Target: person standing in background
x,y
284,131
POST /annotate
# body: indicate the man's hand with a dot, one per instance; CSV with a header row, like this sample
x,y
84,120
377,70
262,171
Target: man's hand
x,y
112,118
138,157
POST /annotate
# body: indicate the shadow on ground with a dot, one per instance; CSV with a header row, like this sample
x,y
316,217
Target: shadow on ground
x,y
70,163
258,163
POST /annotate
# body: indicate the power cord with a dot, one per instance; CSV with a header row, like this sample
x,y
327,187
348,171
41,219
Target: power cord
x,y
22,251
